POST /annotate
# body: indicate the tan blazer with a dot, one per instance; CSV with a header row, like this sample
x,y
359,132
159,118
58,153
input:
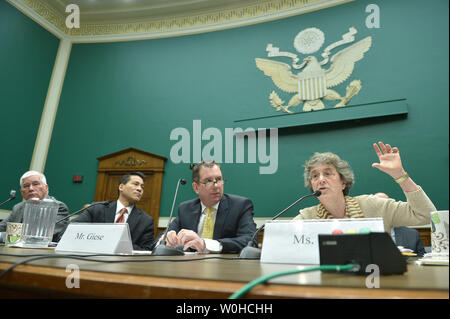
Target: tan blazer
x,y
415,211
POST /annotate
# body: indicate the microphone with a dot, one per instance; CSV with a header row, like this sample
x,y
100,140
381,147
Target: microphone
x,y
81,210
12,195
252,252
162,249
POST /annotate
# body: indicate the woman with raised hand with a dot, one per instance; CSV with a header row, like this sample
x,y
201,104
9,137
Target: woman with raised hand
x,y
334,178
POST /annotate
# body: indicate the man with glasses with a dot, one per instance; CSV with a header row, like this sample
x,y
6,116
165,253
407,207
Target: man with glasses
x,y
214,222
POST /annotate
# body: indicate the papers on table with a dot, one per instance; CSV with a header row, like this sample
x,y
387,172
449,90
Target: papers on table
x,y
429,259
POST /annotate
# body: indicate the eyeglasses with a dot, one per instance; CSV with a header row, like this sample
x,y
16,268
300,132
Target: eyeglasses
x,y
218,182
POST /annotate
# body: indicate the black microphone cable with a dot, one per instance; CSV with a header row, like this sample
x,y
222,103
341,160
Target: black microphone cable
x,y
252,252
82,209
316,194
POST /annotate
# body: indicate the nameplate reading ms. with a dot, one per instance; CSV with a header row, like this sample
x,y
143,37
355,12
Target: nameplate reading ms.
x,y
297,241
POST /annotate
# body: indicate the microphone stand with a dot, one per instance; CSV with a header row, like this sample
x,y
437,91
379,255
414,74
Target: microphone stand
x,y
81,210
162,249
11,197
252,252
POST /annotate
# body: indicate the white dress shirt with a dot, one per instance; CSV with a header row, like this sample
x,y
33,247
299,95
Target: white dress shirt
x,y
119,208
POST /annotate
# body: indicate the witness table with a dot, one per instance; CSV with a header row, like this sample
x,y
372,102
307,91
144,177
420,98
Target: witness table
x,y
198,276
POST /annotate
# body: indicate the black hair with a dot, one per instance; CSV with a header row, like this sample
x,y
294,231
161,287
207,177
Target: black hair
x,y
125,178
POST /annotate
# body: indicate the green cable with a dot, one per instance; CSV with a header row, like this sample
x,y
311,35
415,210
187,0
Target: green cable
x,y
262,279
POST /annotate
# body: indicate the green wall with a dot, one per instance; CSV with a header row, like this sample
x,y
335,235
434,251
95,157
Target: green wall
x,y
27,55
133,94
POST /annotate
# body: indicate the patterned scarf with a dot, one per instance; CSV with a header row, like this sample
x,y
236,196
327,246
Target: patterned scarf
x,y
352,210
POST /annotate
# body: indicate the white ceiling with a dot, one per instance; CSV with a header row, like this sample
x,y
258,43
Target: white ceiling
x,y
124,11
125,20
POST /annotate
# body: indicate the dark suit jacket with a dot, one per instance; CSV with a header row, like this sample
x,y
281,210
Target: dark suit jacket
x,y
409,238
140,224
234,224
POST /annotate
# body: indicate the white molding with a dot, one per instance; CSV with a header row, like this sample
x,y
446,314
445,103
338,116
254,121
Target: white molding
x,y
209,27
181,31
33,15
44,135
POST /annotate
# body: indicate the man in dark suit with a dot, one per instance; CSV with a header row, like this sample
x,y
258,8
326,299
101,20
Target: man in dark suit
x,y
124,210
214,222
408,238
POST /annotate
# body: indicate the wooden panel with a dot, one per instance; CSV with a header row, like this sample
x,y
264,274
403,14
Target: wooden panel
x,y
131,158
425,235
113,166
217,277
38,282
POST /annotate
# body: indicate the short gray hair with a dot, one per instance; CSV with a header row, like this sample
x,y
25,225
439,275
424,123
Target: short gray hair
x,y
32,173
342,167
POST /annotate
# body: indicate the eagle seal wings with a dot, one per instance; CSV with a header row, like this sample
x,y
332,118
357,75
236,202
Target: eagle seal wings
x,y
280,73
343,62
342,65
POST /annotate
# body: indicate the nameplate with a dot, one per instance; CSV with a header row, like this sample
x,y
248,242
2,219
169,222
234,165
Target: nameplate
x,y
297,241
96,238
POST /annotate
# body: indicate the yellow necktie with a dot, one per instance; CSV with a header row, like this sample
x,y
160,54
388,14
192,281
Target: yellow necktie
x,y
208,226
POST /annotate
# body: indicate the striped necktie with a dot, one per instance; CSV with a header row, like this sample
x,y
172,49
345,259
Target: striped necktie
x,y
208,226
121,218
